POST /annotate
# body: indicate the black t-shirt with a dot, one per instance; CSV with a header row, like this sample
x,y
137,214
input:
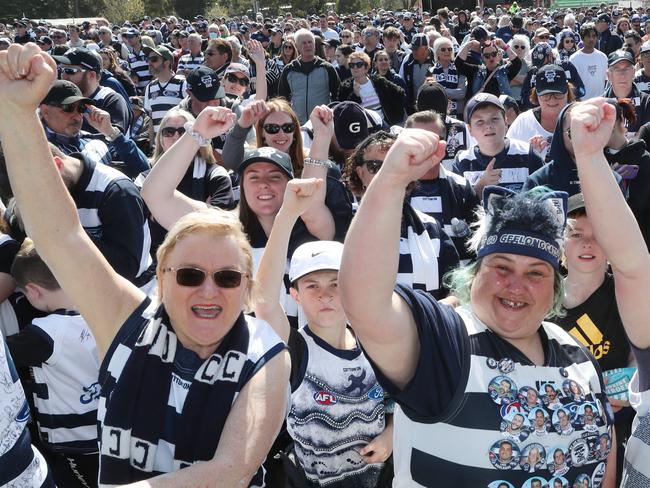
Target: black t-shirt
x,y
597,325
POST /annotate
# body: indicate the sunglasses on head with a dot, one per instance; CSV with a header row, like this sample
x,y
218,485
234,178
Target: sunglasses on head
x,y
232,78
72,71
170,131
373,165
225,278
358,64
493,54
287,128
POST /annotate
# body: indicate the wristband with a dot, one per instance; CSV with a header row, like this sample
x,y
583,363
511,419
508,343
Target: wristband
x,y
316,162
189,129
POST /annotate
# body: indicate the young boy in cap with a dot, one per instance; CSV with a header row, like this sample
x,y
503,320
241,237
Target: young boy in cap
x,y
337,414
495,160
61,355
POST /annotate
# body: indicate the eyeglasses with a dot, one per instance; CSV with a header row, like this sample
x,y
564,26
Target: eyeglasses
x,y
72,71
287,128
493,54
74,107
446,49
543,36
569,40
170,131
224,278
556,96
518,47
232,78
373,165
359,64
287,46
153,59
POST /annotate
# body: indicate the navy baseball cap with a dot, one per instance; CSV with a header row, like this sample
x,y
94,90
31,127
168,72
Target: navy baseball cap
x,y
351,125
479,101
267,155
81,57
204,84
551,79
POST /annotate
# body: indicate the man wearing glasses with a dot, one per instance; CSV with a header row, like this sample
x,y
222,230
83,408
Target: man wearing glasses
x,y
620,73
607,42
137,59
166,90
83,68
63,112
371,42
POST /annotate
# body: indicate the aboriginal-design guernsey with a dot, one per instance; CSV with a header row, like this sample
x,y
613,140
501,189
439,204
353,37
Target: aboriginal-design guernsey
x,y
510,423
337,407
21,465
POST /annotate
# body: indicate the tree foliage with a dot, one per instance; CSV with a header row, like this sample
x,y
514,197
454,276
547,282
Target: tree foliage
x,y
121,10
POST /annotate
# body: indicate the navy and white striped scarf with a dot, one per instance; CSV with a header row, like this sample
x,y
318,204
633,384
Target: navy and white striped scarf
x,y
449,80
138,416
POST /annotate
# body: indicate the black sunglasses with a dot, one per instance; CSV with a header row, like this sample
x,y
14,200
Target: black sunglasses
x,y
373,165
225,278
359,64
287,46
287,128
170,131
446,49
72,71
73,107
493,54
236,79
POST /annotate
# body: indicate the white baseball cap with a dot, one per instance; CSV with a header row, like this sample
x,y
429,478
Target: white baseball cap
x,y
315,256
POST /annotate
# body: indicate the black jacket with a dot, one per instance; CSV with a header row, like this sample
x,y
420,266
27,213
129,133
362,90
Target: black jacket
x,y
608,42
641,103
391,96
634,152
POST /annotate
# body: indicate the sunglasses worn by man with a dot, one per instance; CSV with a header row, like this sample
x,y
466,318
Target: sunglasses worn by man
x,y
232,78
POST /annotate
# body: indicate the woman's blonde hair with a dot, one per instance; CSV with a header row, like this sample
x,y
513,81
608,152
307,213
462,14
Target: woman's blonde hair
x,y
218,224
205,152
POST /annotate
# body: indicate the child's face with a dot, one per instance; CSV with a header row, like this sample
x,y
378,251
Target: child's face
x,y
318,294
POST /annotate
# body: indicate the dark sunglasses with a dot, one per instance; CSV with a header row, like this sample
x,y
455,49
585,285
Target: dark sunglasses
x,y
74,107
236,79
153,59
446,49
518,47
72,71
493,54
287,128
287,46
170,131
359,64
225,278
373,165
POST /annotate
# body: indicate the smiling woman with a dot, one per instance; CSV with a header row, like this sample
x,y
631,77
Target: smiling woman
x,y
478,355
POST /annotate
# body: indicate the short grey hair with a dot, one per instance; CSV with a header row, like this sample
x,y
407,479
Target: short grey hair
x,y
304,33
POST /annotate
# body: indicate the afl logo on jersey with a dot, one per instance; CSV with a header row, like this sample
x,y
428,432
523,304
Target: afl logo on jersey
x,y
325,398
376,392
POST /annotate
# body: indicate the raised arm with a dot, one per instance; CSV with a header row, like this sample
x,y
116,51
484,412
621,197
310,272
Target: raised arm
x,y
256,51
167,205
318,218
233,148
615,227
298,197
104,298
379,317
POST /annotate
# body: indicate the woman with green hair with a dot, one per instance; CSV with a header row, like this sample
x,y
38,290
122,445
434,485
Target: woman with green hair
x,y
446,368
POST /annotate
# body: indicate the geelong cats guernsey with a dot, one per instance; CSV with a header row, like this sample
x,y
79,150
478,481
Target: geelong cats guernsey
x,y
66,385
163,408
509,422
337,407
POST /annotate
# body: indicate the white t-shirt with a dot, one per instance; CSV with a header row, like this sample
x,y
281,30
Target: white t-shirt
x,y
369,97
526,126
592,68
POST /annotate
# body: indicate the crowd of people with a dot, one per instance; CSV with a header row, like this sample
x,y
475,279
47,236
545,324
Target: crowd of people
x,y
347,250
